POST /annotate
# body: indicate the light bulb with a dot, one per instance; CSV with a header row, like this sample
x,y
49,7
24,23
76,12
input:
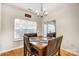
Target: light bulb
x,y
36,11
46,13
43,9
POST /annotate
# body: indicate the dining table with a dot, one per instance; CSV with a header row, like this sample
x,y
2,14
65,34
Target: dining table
x,y
40,45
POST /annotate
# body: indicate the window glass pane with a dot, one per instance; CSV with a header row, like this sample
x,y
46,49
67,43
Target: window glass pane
x,y
24,26
48,28
45,30
51,28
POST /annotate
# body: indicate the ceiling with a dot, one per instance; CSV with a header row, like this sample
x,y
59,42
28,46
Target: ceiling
x,y
36,6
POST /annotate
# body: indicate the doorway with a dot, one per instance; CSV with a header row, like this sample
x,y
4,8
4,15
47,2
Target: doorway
x,y
49,27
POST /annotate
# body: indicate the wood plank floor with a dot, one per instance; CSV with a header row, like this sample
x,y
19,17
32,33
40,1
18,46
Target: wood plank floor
x,y
19,52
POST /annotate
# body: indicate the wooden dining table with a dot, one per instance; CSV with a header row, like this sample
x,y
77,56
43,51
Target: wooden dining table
x,y
41,45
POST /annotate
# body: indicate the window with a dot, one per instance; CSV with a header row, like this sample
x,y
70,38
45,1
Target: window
x,y
23,26
48,28
45,30
51,28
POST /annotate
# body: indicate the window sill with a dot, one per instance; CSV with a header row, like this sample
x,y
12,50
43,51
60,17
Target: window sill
x,y
17,40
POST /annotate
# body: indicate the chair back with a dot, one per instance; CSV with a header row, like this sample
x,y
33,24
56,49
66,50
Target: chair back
x,y
31,34
54,46
51,34
27,46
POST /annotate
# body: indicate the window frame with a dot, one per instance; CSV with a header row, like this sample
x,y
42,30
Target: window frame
x,y
19,38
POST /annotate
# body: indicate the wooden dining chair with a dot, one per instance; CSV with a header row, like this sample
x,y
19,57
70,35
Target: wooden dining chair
x,y
51,34
28,48
31,34
54,46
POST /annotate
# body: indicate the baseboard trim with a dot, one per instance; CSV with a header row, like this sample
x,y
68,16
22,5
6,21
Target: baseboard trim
x,y
10,49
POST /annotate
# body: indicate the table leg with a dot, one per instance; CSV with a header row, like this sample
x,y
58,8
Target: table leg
x,y
59,52
40,52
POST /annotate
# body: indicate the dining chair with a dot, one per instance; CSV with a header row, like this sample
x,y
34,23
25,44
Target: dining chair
x,y
26,45
51,34
28,48
31,34
54,46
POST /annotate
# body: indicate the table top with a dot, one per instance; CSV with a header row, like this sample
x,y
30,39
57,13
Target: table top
x,y
40,44
40,38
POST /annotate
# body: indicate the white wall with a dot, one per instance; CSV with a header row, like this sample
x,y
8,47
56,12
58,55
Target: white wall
x,y
9,13
0,23
67,23
0,17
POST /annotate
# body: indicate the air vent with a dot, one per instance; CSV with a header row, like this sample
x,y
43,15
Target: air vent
x,y
27,15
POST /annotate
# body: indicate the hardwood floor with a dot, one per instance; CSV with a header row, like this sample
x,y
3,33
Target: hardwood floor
x,y
16,52
66,53
19,52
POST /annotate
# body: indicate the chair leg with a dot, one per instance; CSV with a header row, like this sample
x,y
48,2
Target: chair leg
x,y
59,52
25,52
29,54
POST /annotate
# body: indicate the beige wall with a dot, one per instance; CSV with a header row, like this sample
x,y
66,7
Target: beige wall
x,y
9,13
67,23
